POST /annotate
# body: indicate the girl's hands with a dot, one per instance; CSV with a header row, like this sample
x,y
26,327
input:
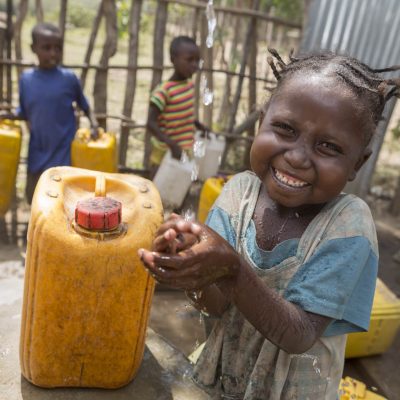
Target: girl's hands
x,y
203,257
171,240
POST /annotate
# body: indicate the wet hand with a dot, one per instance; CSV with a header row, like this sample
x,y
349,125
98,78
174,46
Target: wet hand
x,y
94,132
207,261
176,151
175,235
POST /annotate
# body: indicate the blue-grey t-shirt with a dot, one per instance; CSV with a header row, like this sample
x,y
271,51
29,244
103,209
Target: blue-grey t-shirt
x,y
337,281
46,102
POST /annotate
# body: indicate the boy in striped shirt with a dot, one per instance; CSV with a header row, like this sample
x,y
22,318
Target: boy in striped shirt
x,y
171,117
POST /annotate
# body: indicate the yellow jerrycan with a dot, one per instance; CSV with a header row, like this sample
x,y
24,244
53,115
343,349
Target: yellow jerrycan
x,y
211,189
10,146
98,155
87,296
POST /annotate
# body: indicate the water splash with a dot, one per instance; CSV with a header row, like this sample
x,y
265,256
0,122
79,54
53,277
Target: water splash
x,y
199,148
189,215
184,157
208,95
211,23
311,357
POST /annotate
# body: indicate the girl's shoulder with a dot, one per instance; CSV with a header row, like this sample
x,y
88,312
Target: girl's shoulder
x,y
241,189
350,216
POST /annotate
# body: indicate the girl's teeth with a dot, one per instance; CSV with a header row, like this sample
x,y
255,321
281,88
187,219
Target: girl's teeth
x,y
289,181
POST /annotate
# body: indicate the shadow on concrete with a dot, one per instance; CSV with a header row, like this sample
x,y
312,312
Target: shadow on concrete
x,y
150,383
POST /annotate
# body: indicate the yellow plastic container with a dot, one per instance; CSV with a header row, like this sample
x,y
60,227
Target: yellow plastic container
x,y
10,146
86,296
210,191
97,155
351,389
385,323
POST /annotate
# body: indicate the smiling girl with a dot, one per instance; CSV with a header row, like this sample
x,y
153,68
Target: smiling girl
x,y
288,262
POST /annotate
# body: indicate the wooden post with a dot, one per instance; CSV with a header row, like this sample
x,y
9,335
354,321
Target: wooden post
x,y
9,35
3,28
21,14
158,62
134,25
109,49
63,17
231,66
196,14
395,205
93,35
252,90
3,231
39,11
246,51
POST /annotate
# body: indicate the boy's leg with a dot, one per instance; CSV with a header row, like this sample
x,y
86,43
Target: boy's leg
x,y
31,181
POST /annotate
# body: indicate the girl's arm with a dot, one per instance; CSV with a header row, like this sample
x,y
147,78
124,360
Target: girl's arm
x,y
213,261
280,321
209,300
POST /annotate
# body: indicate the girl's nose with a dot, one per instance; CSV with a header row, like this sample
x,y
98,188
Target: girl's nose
x,y
298,157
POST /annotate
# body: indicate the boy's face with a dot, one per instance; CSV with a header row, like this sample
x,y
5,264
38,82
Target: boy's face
x,y
186,61
48,48
310,143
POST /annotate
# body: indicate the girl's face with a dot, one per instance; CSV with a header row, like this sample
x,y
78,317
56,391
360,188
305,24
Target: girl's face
x,y
310,143
48,48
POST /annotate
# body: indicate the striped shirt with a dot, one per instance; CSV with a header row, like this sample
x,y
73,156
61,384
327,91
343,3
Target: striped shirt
x,y
175,100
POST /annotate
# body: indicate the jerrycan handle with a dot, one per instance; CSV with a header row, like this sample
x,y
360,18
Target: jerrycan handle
x,y
100,187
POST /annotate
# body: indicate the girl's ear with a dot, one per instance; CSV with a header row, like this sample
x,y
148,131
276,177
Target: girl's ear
x,y
361,161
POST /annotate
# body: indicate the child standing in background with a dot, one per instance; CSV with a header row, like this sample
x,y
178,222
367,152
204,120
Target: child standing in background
x,y
46,95
171,118
287,262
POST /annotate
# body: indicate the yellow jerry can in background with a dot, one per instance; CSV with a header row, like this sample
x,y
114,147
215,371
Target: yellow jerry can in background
x,y
385,323
86,295
352,389
210,191
98,155
10,146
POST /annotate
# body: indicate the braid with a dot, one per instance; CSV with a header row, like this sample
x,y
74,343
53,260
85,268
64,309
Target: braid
x,y
364,81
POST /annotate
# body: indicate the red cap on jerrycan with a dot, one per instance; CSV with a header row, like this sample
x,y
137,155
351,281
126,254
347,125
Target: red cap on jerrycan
x,y
98,213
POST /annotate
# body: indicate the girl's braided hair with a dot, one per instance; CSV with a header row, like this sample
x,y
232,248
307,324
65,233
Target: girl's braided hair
x,y
365,83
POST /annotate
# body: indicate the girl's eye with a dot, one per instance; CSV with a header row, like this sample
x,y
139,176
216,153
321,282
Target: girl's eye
x,y
283,129
330,149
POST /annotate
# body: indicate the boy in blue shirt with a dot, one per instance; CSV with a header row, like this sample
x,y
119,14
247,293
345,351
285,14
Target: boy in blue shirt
x,y
46,95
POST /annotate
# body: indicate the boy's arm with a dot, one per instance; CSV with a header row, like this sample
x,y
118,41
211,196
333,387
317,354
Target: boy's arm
x,y
94,125
201,127
154,128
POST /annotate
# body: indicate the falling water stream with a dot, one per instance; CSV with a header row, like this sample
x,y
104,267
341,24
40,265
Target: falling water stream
x,y
200,142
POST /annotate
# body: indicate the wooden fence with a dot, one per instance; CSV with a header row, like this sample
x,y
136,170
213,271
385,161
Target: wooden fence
x,y
235,67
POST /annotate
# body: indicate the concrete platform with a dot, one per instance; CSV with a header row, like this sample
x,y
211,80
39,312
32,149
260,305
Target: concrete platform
x,y
163,375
